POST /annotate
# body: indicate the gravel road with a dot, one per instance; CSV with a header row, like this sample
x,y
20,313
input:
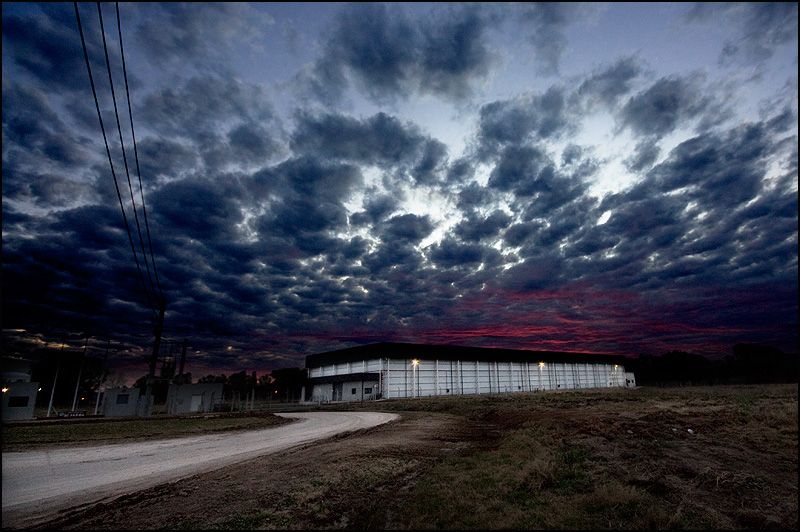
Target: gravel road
x,y
37,483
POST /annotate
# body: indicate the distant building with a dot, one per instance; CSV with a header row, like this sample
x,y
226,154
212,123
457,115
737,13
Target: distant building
x,y
120,402
19,393
390,370
185,398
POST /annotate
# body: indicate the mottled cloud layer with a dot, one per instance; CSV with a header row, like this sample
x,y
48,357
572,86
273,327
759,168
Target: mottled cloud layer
x,y
283,231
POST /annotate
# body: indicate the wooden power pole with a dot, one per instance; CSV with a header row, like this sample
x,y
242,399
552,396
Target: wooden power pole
x,y
154,357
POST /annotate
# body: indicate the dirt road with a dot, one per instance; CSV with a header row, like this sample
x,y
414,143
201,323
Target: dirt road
x,y
37,483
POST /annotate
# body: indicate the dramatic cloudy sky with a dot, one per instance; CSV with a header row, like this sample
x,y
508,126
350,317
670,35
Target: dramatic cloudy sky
x,y
609,178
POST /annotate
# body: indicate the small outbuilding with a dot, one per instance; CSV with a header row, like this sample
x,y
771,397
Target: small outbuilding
x,y
186,398
120,402
19,393
19,400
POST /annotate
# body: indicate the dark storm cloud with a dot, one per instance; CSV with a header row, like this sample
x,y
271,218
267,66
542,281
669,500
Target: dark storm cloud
x,y
761,27
44,189
643,157
393,55
544,23
317,178
380,140
432,164
516,234
376,208
528,171
533,274
227,122
724,168
450,253
389,255
667,103
518,167
460,171
608,85
474,229
699,216
203,103
200,209
47,44
406,228
173,34
66,275
529,117
163,157
473,196
30,124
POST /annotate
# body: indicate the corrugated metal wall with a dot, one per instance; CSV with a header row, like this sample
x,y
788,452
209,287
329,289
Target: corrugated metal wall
x,y
421,378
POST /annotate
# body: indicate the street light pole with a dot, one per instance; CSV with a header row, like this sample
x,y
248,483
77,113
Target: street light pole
x,y
80,372
55,379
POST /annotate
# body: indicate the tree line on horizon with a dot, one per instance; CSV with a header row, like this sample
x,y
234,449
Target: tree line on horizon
x,y
747,364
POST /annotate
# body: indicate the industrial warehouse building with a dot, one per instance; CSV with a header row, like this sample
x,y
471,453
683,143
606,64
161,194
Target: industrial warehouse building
x,y
392,370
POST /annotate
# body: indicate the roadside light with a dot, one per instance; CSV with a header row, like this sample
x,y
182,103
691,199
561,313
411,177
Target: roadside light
x,y
230,348
415,362
40,389
5,389
83,398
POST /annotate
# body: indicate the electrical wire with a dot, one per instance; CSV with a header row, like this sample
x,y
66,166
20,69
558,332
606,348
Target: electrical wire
x,y
136,153
122,146
110,162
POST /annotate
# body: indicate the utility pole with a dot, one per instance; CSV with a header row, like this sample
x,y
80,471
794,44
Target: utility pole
x,y
154,358
183,357
55,379
80,372
105,369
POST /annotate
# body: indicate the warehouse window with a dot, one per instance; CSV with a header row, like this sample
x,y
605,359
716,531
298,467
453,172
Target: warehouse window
x,y
367,390
354,391
18,401
122,399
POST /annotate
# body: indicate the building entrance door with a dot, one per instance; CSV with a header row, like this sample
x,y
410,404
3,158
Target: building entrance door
x,y
197,401
337,391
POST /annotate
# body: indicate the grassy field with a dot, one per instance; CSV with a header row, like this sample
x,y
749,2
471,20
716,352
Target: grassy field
x,y
716,457
695,457
20,437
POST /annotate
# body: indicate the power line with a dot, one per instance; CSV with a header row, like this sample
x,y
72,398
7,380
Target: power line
x,y
108,153
122,146
136,153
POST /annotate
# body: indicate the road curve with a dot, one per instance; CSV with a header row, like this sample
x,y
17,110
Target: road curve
x,y
36,483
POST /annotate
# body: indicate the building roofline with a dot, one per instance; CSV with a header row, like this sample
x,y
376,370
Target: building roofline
x,y
454,352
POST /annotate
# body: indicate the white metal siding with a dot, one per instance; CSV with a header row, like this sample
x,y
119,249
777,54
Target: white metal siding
x,y
401,378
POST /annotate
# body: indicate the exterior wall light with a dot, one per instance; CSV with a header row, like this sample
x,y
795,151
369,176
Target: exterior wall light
x,y
415,362
5,389
541,364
